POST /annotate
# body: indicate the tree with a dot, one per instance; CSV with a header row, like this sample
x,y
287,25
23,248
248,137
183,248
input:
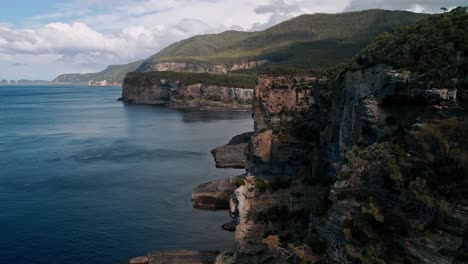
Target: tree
x,y
444,9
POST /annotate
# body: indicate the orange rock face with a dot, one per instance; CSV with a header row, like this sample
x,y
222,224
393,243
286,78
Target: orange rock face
x,y
278,96
262,145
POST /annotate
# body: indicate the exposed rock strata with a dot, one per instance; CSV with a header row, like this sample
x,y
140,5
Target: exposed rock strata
x,y
276,97
200,96
200,68
277,102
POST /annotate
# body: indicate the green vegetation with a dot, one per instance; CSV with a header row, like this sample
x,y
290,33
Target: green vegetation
x,y
436,46
316,245
423,178
277,183
307,41
323,204
113,73
240,182
189,78
278,214
445,148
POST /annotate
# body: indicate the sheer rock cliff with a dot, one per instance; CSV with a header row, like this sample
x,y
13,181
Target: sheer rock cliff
x,y
347,159
143,89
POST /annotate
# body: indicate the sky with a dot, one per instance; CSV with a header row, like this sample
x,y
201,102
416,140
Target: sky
x,y
42,39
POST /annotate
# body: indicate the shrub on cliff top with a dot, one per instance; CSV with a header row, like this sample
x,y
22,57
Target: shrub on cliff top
x,y
445,148
437,46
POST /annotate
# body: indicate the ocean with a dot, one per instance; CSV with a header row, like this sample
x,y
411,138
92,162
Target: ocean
x,y
87,179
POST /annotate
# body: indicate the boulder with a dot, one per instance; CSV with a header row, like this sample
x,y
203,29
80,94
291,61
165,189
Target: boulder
x,y
214,195
230,156
229,226
233,155
139,260
226,258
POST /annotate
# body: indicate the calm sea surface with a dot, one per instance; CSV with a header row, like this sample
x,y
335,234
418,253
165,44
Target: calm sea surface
x,y
87,179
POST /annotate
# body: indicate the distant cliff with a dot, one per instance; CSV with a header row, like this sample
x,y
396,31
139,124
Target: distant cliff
x,y
189,90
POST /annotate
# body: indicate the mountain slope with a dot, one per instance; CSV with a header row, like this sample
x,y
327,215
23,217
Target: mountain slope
x,y
298,41
316,40
115,73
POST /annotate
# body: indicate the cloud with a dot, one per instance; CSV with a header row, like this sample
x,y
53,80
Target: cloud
x,y
83,49
281,10
422,6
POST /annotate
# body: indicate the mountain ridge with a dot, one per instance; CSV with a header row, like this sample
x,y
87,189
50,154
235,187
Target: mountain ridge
x,y
310,40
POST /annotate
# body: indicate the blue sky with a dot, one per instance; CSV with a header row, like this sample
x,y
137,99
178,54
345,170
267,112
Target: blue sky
x,y
40,39
17,11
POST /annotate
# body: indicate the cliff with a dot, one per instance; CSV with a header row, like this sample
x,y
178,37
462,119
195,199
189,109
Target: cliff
x,y
188,91
367,166
356,170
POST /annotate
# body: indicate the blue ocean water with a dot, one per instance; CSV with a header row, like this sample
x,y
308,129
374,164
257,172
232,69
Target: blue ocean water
x,y
87,179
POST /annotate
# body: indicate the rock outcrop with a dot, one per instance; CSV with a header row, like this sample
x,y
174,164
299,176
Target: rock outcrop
x,y
145,89
214,195
234,154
